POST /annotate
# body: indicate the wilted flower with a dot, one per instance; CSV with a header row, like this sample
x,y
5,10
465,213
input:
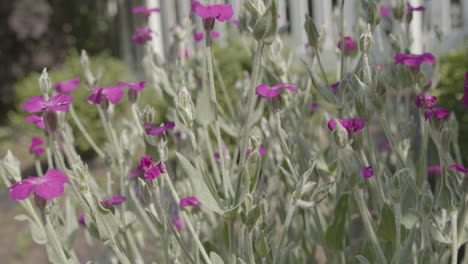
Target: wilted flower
x,y
152,129
115,200
36,104
197,37
438,112
111,93
37,120
367,172
219,12
425,100
266,91
35,146
458,167
189,201
67,86
144,11
464,99
352,125
433,170
409,8
142,36
47,187
350,45
413,60
385,11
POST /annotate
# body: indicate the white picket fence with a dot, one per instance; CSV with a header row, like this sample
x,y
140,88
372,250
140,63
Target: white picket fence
x,y
451,19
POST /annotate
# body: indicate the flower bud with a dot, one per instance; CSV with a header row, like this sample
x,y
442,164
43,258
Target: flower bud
x,y
50,121
366,41
426,200
373,14
84,60
45,85
162,148
396,184
311,31
266,26
185,107
276,103
445,138
255,138
399,10
321,192
104,104
148,114
132,95
340,135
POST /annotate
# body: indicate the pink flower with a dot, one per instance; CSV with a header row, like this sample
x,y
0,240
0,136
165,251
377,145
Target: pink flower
x,y
269,92
236,22
413,60
367,172
349,44
145,163
81,219
34,148
438,112
138,86
261,151
458,167
433,170
37,120
425,100
464,99
352,125
186,54
385,11
47,187
111,93
334,87
115,200
189,201
144,11
151,168
409,8
314,107
178,223
197,37
220,12
36,104
152,129
142,36
133,174
67,86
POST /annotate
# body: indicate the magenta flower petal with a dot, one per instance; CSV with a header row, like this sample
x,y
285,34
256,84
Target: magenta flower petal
x,y
138,86
350,45
145,163
142,36
35,104
113,94
412,60
314,107
189,201
334,87
220,12
385,11
464,99
262,150
439,113
144,11
178,223
409,8
353,125
48,186
37,120
433,170
34,148
60,102
214,34
198,36
153,130
81,219
154,171
266,91
95,97
115,200
67,86
425,100
367,172
458,167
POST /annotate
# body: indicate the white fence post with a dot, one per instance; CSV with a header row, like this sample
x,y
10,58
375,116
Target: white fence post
x,y
416,28
298,10
168,20
440,14
350,15
155,24
322,10
282,12
464,6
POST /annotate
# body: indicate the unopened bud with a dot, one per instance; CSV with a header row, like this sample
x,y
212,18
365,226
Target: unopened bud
x,y
45,85
104,104
277,103
366,41
445,138
373,14
340,135
321,192
185,107
399,9
50,121
255,138
311,31
148,114
426,200
84,60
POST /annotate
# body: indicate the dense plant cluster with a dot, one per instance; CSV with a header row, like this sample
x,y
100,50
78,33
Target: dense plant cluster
x,y
290,168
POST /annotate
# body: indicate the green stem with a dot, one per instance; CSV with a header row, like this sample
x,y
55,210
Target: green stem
x,y
38,167
84,132
368,225
397,208
291,208
342,68
454,217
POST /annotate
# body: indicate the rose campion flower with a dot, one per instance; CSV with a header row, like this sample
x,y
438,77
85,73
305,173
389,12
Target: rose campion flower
x,y
409,8
425,100
142,36
236,22
36,104
412,60
67,86
438,112
115,200
47,187
197,37
144,11
151,168
111,93
367,172
152,129
352,125
220,12
178,223
350,45
433,170
385,11
458,167
464,99
81,219
190,201
314,107
37,120
133,174
138,86
334,87
261,151
35,146
266,91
